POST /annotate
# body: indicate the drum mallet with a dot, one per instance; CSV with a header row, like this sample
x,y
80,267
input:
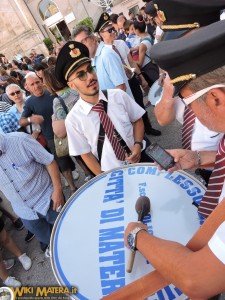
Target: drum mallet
x,y
142,208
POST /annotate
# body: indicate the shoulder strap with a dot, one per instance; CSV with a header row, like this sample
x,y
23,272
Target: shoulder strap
x,y
63,104
147,39
153,281
101,135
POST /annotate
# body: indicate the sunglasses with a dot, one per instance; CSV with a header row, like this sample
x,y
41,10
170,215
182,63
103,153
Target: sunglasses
x,y
189,99
15,93
110,30
82,75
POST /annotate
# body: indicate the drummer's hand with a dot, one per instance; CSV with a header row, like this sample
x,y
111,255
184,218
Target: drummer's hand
x,y
58,199
168,88
184,159
136,154
131,227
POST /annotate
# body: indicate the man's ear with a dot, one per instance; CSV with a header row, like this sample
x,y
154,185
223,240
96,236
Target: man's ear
x,y
72,85
217,97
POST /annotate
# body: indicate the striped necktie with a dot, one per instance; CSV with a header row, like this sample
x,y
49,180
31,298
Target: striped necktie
x,y
109,130
189,121
216,181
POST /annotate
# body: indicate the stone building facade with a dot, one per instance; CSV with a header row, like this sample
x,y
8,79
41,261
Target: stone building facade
x,y
25,23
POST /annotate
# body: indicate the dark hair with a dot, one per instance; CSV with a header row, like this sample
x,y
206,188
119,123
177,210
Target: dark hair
x,y
24,67
81,28
139,24
27,60
15,62
41,66
52,84
14,74
114,18
127,24
51,61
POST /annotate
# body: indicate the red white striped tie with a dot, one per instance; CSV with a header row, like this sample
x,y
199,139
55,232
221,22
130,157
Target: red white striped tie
x,y
189,121
216,181
109,130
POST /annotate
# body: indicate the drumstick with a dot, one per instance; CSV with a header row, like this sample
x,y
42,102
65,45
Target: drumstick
x,y
142,208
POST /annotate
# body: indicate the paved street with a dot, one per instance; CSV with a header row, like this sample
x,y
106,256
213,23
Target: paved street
x,y
41,272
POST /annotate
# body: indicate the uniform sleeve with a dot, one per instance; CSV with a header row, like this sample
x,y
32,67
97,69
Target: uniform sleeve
x,y
114,68
217,243
134,110
77,142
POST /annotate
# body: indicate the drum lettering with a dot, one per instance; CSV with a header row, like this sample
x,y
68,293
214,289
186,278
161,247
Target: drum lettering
x,y
109,286
197,199
192,192
178,179
131,171
117,258
169,293
110,246
112,197
112,215
118,270
151,170
185,185
169,176
140,170
111,233
119,172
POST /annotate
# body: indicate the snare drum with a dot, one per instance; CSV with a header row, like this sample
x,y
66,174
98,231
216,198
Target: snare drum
x,y
155,93
87,240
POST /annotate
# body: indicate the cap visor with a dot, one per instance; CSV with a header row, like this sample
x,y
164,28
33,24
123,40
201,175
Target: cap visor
x,y
83,61
171,35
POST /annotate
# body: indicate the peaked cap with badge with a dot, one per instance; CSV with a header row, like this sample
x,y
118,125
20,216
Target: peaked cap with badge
x,y
181,16
71,56
103,22
192,56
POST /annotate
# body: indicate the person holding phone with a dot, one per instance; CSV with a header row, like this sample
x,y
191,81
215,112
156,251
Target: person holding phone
x,y
199,80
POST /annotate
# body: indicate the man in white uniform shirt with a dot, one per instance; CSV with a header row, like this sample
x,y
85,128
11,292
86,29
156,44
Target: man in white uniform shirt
x,y
188,15
199,79
83,123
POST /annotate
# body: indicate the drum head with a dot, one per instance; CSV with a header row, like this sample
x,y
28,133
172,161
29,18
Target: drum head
x,y
155,93
87,240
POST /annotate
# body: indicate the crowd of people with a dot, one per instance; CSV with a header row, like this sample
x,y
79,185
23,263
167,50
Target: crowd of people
x,y
94,86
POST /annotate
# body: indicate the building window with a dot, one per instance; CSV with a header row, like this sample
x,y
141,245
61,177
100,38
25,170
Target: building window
x,y
47,8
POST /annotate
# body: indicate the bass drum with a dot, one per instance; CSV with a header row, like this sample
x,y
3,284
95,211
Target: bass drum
x,y
155,93
87,240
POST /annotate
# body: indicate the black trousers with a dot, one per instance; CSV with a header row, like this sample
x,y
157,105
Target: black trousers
x,y
138,97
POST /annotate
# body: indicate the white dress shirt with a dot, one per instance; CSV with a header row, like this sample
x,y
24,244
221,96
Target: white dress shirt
x,y
82,125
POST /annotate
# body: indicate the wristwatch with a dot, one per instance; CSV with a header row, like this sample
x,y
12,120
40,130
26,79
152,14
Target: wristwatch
x,y
28,119
139,143
131,238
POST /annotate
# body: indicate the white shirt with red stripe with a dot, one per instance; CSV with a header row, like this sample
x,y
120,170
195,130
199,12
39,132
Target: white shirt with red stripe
x,y
217,243
202,137
82,125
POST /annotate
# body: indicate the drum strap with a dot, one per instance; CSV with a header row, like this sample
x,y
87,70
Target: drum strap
x,y
101,135
152,282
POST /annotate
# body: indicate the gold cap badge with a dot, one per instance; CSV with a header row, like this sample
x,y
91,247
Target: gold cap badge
x,y
106,17
75,52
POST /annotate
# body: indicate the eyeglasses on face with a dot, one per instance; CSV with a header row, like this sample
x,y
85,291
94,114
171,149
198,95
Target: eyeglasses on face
x,y
82,75
110,30
189,99
14,93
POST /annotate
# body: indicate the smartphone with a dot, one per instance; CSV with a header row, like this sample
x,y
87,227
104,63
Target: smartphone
x,y
160,155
